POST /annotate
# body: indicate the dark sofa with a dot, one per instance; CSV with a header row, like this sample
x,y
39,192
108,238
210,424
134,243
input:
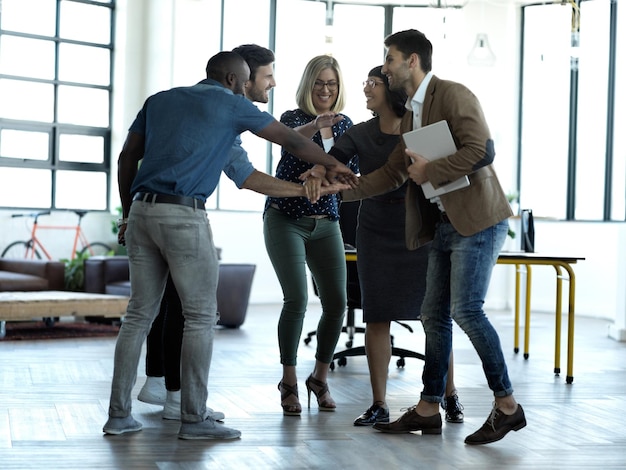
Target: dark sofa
x,y
31,275
109,275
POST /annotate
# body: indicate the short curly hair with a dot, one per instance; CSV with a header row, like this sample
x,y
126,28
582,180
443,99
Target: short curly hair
x,y
255,56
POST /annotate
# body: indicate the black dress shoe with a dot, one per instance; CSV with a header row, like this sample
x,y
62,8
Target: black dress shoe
x,y
374,414
411,421
454,409
497,426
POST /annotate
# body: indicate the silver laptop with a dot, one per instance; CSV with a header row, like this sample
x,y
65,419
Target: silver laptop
x,y
432,142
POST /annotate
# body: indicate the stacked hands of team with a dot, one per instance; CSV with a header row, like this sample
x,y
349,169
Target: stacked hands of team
x,y
320,181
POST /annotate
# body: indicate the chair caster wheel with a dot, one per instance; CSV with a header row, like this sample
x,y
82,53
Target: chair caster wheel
x,y
400,363
342,361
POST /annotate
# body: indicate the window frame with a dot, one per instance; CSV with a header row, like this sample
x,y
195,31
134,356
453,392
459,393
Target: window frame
x,y
56,129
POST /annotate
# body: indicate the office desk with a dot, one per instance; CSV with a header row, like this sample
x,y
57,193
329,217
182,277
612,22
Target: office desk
x,y
557,262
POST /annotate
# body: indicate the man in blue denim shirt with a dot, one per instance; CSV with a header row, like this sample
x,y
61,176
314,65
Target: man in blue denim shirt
x,y
183,138
163,344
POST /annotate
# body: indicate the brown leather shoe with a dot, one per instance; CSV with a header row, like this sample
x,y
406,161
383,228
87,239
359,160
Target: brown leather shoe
x,y
411,421
497,426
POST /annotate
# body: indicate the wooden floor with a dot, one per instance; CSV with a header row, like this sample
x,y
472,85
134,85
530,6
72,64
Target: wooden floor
x,y
54,397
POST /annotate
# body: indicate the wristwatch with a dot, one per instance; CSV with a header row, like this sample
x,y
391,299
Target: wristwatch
x,y
121,222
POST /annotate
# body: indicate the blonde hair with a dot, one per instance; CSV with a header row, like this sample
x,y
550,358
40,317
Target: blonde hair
x,y
305,89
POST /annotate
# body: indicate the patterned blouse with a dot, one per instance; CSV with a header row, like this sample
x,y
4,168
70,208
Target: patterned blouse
x,y
290,167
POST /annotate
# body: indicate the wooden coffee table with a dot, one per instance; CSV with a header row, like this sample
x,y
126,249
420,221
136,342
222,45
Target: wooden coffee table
x,y
16,306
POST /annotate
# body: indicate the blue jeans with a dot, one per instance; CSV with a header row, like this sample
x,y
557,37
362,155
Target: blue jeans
x,y
459,270
292,244
174,239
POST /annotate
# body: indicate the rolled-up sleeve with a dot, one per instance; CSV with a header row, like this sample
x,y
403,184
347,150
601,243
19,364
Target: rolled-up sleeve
x,y
238,168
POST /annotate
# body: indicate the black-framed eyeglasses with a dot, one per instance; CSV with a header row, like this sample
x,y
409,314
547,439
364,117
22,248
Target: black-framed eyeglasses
x,y
372,83
332,85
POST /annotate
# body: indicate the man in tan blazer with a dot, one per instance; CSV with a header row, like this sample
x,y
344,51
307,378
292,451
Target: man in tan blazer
x,y
467,228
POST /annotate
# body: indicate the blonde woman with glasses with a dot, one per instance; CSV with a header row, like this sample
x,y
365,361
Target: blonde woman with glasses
x,y
299,234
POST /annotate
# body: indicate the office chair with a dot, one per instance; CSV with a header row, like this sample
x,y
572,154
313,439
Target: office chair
x,y
348,213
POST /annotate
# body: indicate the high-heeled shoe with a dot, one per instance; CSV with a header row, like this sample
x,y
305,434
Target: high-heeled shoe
x,y
322,389
289,409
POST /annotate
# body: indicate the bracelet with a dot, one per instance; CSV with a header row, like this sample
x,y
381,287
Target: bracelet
x,y
121,222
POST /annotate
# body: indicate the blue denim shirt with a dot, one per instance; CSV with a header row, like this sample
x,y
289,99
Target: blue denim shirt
x,y
190,134
238,167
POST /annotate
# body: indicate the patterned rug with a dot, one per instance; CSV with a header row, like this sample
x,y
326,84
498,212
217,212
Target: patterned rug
x,y
35,330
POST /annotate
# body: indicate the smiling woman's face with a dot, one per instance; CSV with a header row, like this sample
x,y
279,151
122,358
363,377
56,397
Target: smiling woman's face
x,y
325,91
375,97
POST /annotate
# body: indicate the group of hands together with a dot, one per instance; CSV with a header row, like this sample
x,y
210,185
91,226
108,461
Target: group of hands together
x,y
320,180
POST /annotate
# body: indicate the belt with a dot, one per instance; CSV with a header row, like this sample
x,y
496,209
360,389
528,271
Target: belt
x,y
443,217
314,216
169,199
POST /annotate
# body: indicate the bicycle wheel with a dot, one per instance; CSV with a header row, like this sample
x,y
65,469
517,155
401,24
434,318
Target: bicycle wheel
x,y
96,249
19,250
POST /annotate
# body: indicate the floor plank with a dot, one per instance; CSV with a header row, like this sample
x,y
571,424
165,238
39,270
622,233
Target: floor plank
x,y
54,397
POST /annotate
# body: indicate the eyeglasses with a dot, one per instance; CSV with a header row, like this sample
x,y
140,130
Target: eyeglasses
x,y
372,83
319,85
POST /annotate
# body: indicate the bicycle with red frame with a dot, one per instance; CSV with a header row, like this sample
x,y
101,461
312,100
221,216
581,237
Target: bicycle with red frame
x,y
34,247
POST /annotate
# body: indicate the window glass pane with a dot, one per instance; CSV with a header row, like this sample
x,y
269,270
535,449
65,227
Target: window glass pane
x,y
440,25
211,202
618,196
25,187
82,22
83,106
592,110
545,129
195,23
17,15
26,101
25,145
84,64
40,63
81,148
356,62
251,28
81,190
293,55
233,198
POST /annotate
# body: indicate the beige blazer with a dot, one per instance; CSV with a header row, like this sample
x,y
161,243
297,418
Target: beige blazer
x,y
476,207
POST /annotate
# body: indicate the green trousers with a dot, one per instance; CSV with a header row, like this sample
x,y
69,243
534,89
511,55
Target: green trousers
x,y
292,245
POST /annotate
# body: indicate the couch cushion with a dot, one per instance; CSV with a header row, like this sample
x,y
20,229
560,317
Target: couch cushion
x,y
10,281
118,288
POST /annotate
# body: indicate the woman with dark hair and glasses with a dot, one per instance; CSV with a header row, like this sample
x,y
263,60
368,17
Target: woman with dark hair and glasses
x,y
300,234
392,278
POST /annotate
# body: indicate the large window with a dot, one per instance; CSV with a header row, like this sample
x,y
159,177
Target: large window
x,y
55,90
571,163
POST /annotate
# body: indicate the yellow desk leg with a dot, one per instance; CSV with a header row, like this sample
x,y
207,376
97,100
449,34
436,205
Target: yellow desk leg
x,y
569,378
557,322
527,329
517,303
